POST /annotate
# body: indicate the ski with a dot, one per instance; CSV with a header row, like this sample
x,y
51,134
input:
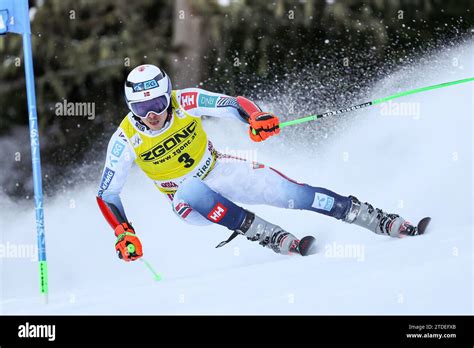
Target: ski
x,y
307,246
422,225
410,230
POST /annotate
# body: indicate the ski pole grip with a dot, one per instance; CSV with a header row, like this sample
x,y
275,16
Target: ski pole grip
x,y
254,132
131,248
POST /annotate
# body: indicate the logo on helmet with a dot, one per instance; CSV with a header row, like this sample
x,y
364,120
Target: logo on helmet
x,y
143,86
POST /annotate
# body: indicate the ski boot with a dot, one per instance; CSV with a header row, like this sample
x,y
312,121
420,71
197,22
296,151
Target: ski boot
x,y
274,237
379,222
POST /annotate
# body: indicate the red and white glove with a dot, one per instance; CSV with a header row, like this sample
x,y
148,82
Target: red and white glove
x,y
128,246
263,125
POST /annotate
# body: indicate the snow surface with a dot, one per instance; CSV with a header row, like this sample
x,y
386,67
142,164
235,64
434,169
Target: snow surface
x,y
416,165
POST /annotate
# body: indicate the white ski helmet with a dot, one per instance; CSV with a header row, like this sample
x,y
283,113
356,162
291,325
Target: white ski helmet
x,y
147,89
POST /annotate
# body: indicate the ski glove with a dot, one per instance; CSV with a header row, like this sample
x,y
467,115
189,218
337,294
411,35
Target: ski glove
x,y
265,124
127,246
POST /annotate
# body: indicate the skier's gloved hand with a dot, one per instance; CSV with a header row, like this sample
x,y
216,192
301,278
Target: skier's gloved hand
x,y
128,246
264,125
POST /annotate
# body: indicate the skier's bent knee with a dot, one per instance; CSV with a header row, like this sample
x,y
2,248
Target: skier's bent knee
x,y
218,209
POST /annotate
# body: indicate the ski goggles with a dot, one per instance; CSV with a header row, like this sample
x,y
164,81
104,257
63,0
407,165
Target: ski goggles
x,y
156,105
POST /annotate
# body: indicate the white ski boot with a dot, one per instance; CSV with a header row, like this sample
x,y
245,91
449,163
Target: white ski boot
x,y
272,236
379,222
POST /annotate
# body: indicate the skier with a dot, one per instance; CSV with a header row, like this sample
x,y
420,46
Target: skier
x,y
163,134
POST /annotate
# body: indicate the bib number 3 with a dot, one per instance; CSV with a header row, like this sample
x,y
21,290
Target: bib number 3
x,y
186,159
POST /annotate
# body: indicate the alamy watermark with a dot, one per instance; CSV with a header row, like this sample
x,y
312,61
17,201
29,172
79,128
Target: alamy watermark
x,y
18,251
230,155
75,109
28,330
346,251
391,108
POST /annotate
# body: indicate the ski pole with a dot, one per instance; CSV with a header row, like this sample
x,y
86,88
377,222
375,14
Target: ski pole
x,y
370,103
156,276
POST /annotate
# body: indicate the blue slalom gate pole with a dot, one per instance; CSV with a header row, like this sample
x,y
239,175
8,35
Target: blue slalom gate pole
x,y
14,17
36,162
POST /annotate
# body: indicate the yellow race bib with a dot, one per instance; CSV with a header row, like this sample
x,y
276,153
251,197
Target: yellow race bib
x,y
174,152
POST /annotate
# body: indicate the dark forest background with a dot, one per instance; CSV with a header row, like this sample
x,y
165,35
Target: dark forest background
x,y
83,50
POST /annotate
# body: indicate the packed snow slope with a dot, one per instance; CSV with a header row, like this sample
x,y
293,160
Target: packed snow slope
x,y
413,157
